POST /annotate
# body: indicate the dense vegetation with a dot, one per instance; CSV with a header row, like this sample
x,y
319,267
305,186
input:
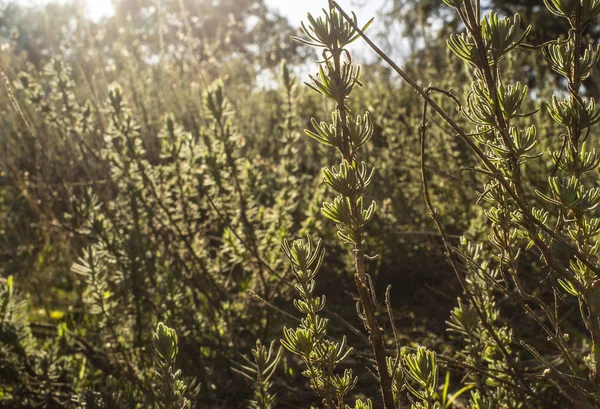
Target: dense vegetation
x,y
185,224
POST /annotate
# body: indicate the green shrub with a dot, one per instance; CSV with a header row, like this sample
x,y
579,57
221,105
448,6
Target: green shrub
x,y
149,187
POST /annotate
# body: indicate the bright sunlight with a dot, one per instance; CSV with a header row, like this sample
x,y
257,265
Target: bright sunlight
x,y
295,11
275,204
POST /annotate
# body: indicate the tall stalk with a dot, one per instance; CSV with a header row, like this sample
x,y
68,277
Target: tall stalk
x,y
563,230
336,79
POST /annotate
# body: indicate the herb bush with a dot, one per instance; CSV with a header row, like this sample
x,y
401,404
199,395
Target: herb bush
x,y
172,239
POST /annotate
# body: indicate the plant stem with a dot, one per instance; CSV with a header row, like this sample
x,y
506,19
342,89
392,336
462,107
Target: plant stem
x,y
360,276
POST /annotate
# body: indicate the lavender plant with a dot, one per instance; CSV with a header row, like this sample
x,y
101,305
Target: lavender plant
x,y
259,371
171,388
164,199
336,80
320,355
518,223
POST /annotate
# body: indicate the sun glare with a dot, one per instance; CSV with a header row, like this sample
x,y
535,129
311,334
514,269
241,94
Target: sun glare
x,y
95,9
294,10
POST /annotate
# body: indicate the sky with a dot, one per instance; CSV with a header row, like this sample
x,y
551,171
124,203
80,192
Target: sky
x,y
294,10
95,9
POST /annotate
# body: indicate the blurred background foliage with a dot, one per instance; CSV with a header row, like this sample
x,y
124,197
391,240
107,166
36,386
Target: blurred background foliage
x,y
127,197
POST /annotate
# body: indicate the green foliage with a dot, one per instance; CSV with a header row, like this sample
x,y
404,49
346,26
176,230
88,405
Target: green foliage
x,y
309,340
153,167
171,389
259,371
516,226
34,373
